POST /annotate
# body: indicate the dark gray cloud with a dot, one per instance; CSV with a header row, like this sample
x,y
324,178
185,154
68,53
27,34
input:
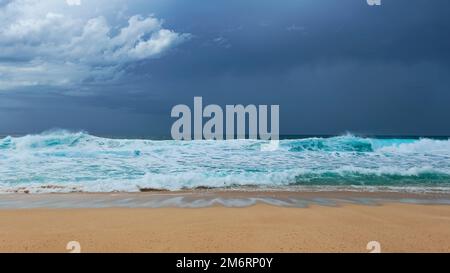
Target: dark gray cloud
x,y
333,66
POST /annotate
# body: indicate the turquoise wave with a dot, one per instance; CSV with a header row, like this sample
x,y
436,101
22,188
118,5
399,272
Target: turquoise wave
x,y
347,143
77,161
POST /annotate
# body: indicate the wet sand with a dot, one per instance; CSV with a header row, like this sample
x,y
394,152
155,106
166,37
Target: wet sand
x,y
207,198
341,227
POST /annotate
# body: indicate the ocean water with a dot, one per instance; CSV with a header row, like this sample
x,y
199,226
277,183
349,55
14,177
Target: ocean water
x,y
63,161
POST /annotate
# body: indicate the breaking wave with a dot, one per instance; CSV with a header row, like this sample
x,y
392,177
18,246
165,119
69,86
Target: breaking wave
x,y
63,161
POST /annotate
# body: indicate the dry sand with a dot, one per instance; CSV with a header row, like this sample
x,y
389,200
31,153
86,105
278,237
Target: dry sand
x,y
259,228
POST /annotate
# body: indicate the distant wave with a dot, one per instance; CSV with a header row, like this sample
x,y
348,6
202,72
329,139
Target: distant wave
x,y
63,161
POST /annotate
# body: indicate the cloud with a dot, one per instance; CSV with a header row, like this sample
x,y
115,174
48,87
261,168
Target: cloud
x,y
295,28
45,42
221,41
73,2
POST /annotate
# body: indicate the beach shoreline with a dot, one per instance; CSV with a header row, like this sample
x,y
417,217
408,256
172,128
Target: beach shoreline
x,y
218,197
113,225
258,228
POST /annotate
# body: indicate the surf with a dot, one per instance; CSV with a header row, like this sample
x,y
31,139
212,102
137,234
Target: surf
x,y
65,161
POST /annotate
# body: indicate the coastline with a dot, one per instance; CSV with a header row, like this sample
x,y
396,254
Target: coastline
x,y
259,228
131,222
201,198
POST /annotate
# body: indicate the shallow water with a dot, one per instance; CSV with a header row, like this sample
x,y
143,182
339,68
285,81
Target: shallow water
x,y
201,199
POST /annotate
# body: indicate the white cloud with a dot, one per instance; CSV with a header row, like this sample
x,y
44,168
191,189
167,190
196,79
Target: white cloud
x,y
221,41
44,42
73,2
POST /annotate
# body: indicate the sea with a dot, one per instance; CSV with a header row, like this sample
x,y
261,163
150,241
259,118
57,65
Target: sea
x,y
65,161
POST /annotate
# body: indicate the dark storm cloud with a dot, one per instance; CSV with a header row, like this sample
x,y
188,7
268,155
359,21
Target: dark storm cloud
x,y
333,66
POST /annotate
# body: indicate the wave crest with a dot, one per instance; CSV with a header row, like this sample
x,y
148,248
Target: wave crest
x,y
76,160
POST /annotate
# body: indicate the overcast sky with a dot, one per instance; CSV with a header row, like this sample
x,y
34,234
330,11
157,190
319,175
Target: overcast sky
x,y
117,67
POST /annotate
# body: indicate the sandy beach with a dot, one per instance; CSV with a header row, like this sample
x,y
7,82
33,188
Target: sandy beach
x,y
258,228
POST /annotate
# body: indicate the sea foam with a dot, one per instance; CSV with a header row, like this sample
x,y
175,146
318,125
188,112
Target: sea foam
x,y
63,161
